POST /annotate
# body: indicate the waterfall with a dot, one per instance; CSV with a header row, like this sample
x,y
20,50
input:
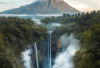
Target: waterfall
x,y
26,55
46,52
64,59
50,51
36,54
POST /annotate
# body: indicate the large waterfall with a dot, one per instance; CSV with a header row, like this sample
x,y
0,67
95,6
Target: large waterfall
x,y
46,52
64,59
43,51
45,47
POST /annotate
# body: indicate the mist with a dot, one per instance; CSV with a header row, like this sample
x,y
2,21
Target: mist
x,y
64,58
27,58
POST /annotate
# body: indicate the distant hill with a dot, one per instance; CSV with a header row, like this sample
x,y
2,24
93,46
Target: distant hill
x,y
43,7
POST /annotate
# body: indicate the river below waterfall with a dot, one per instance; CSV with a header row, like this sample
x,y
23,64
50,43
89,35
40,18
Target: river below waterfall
x,y
63,59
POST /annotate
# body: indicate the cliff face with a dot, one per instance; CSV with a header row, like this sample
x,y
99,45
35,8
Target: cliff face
x,y
47,6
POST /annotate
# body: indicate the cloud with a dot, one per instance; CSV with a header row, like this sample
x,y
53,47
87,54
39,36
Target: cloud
x,y
10,4
84,5
3,3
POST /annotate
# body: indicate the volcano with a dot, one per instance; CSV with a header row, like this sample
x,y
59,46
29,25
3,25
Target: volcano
x,y
43,7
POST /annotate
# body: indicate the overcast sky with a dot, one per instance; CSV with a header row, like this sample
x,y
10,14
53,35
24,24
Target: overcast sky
x,y
82,5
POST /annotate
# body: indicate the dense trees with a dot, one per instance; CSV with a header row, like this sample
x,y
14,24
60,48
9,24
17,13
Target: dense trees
x,y
15,34
90,53
86,27
66,18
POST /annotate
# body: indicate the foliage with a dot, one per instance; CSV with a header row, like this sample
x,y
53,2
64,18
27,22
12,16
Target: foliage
x,y
66,18
86,27
15,35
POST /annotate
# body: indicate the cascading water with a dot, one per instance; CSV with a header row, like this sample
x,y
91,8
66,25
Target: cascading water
x,y
50,50
36,54
64,59
46,51
27,58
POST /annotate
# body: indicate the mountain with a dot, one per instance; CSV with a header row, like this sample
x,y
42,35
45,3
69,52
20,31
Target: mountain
x,y
42,7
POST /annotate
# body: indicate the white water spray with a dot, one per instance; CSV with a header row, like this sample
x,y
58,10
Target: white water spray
x,y
27,58
64,59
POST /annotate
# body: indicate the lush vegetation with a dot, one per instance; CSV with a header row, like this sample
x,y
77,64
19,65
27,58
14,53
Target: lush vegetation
x,y
86,28
88,31
66,18
15,35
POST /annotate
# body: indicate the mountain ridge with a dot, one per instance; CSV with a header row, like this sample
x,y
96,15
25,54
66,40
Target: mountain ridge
x,y
43,7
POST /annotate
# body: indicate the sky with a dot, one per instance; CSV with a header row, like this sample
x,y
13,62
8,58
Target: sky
x,y
82,5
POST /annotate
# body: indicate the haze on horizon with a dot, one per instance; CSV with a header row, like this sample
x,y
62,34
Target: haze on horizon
x,y
82,5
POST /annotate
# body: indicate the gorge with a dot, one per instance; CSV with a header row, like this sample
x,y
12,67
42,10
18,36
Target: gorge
x,y
50,44
49,34
45,48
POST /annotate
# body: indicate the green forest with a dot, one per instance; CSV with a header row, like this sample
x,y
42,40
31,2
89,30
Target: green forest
x,y
15,35
86,28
